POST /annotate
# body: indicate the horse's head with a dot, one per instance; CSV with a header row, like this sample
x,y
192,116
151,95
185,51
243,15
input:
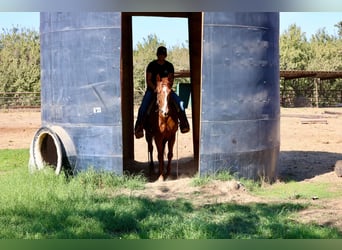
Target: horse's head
x,y
163,90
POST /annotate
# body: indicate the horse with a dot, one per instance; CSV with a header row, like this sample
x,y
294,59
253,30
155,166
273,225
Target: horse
x,y
161,125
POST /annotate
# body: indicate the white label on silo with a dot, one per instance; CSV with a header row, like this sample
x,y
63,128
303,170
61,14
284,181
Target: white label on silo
x,y
96,110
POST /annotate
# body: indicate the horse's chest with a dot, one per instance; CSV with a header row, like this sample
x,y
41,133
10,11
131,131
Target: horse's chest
x,y
167,125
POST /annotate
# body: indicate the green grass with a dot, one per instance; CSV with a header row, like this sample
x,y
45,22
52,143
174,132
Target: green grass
x,y
250,185
43,205
300,190
11,159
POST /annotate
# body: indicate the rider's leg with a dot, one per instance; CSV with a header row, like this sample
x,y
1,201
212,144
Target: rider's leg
x,y
138,130
183,121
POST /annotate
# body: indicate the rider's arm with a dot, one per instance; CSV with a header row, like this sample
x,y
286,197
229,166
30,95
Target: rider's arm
x,y
149,80
171,77
171,74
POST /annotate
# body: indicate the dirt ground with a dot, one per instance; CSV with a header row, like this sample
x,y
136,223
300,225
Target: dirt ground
x,y
311,143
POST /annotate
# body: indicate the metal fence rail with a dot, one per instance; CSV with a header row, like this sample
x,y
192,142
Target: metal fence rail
x,y
327,98
13,100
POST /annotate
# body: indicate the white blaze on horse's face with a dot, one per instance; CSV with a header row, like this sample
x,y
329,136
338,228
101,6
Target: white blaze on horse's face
x,y
164,109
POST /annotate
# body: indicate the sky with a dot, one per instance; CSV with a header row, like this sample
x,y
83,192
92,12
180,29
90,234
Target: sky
x,y
173,31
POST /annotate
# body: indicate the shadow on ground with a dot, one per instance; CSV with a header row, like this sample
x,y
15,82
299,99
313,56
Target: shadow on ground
x,y
301,165
183,167
293,165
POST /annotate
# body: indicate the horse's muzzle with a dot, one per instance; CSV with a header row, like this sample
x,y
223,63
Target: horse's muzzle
x,y
164,114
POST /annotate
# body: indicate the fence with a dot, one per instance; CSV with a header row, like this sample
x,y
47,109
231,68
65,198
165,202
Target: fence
x,y
326,98
14,100
306,98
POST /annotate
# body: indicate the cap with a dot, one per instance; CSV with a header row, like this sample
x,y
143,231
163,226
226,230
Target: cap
x,y
161,51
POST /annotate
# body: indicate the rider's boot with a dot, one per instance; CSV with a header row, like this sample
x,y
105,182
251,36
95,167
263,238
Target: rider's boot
x,y
183,122
139,129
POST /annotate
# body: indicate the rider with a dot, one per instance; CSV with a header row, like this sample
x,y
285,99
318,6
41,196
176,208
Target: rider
x,y
164,69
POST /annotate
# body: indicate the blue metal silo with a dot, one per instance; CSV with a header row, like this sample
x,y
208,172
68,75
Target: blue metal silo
x,y
240,94
81,93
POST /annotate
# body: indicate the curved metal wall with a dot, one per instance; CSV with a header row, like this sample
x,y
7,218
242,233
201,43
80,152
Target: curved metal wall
x,y
81,89
240,94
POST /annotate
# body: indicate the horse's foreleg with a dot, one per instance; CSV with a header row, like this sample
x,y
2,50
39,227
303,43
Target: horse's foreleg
x,y
170,144
160,147
150,154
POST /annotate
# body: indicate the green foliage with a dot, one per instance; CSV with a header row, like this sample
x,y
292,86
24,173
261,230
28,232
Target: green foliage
x,y
179,56
294,49
321,52
327,52
339,26
19,60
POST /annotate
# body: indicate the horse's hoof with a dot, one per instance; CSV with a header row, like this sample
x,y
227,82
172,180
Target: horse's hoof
x,y
161,178
151,169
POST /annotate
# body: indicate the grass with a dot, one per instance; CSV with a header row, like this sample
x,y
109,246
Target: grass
x,y
250,185
43,205
280,190
300,190
12,159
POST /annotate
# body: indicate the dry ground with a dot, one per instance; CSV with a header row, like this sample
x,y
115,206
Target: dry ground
x,y
311,143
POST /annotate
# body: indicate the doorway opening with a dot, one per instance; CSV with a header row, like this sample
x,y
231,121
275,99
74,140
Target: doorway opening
x,y
139,47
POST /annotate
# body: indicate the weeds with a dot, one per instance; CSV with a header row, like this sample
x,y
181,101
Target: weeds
x,y
102,179
226,176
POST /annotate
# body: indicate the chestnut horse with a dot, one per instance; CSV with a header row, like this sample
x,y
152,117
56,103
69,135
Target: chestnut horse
x,y
162,125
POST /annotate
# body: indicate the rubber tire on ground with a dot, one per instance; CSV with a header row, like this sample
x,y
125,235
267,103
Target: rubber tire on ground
x,y
46,150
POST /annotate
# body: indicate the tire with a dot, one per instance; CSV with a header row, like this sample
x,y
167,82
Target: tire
x,y
46,150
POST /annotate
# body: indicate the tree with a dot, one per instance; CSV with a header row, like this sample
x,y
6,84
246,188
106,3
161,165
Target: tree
x,y
339,26
179,56
326,52
327,56
19,60
295,54
294,49
323,53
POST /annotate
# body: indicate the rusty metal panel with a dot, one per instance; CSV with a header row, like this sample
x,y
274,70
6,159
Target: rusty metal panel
x,y
240,94
81,89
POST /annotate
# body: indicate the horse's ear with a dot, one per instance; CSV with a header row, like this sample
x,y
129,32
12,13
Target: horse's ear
x,y
158,78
